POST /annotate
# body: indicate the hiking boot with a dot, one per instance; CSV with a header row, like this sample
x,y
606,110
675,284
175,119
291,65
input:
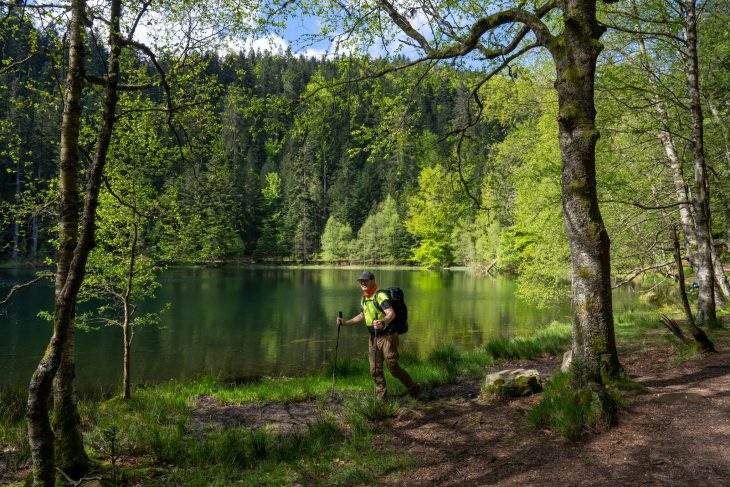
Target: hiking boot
x,y
415,391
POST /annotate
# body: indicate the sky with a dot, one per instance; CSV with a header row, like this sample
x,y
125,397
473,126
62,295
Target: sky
x,y
164,31
295,34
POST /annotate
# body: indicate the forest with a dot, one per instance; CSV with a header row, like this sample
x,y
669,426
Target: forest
x,y
576,146
273,157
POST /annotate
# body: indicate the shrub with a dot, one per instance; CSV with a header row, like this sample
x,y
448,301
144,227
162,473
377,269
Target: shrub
x,y
572,412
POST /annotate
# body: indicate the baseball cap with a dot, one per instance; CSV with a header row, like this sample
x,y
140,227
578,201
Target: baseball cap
x,y
366,275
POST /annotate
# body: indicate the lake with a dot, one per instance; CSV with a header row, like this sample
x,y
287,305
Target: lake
x,y
236,322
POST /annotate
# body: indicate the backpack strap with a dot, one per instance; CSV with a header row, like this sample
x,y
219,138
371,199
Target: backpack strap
x,y
375,300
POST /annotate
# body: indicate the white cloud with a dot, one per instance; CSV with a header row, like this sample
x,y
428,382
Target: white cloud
x,y
272,43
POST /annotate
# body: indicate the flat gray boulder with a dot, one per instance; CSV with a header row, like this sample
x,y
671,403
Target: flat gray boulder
x,y
513,383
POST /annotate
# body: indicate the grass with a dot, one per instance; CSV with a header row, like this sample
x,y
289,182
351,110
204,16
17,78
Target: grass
x,y
155,426
551,340
572,412
14,448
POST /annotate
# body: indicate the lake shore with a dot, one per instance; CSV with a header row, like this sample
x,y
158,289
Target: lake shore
x,y
293,431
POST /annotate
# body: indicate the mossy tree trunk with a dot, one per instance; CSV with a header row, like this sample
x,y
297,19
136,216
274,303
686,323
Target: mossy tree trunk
x,y
575,53
76,239
40,433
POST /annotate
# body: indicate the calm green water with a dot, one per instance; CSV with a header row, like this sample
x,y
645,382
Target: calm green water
x,y
237,322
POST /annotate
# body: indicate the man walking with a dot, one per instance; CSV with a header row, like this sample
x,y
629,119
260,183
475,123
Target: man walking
x,y
383,343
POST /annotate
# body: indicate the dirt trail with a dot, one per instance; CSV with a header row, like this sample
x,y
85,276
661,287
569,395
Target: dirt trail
x,y
676,434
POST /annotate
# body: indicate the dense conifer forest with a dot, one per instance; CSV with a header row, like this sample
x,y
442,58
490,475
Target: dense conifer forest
x,y
284,158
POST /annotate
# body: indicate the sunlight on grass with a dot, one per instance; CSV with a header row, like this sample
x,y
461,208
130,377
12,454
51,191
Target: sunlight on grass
x,y
554,339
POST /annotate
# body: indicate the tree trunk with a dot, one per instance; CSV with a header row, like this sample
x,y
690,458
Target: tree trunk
x,y
16,216
126,394
575,52
725,129
670,149
74,248
35,233
705,273
71,457
126,389
35,236
16,223
721,282
699,336
40,434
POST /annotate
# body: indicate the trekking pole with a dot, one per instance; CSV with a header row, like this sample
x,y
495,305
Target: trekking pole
x,y
337,346
375,355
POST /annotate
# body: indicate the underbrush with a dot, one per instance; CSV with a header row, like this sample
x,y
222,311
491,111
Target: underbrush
x,y
14,448
572,412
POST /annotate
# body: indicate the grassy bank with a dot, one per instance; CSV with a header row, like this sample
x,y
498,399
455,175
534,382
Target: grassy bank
x,y
157,439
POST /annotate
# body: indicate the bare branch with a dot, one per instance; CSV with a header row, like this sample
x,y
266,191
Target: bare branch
x,y
119,198
15,64
37,5
644,207
98,80
658,34
18,287
138,18
480,27
76,483
639,272
464,183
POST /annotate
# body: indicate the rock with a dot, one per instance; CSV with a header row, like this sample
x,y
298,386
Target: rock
x,y
567,360
513,383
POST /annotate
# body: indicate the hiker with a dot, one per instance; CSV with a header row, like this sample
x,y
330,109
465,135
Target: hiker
x,y
383,342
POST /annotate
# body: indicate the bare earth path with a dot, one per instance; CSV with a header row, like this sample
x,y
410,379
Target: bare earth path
x,y
676,434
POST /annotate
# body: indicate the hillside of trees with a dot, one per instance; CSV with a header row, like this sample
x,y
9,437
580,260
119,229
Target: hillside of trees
x,y
281,158
278,158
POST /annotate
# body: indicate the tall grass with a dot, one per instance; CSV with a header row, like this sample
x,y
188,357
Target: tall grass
x,y
14,448
157,426
551,340
450,359
568,411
